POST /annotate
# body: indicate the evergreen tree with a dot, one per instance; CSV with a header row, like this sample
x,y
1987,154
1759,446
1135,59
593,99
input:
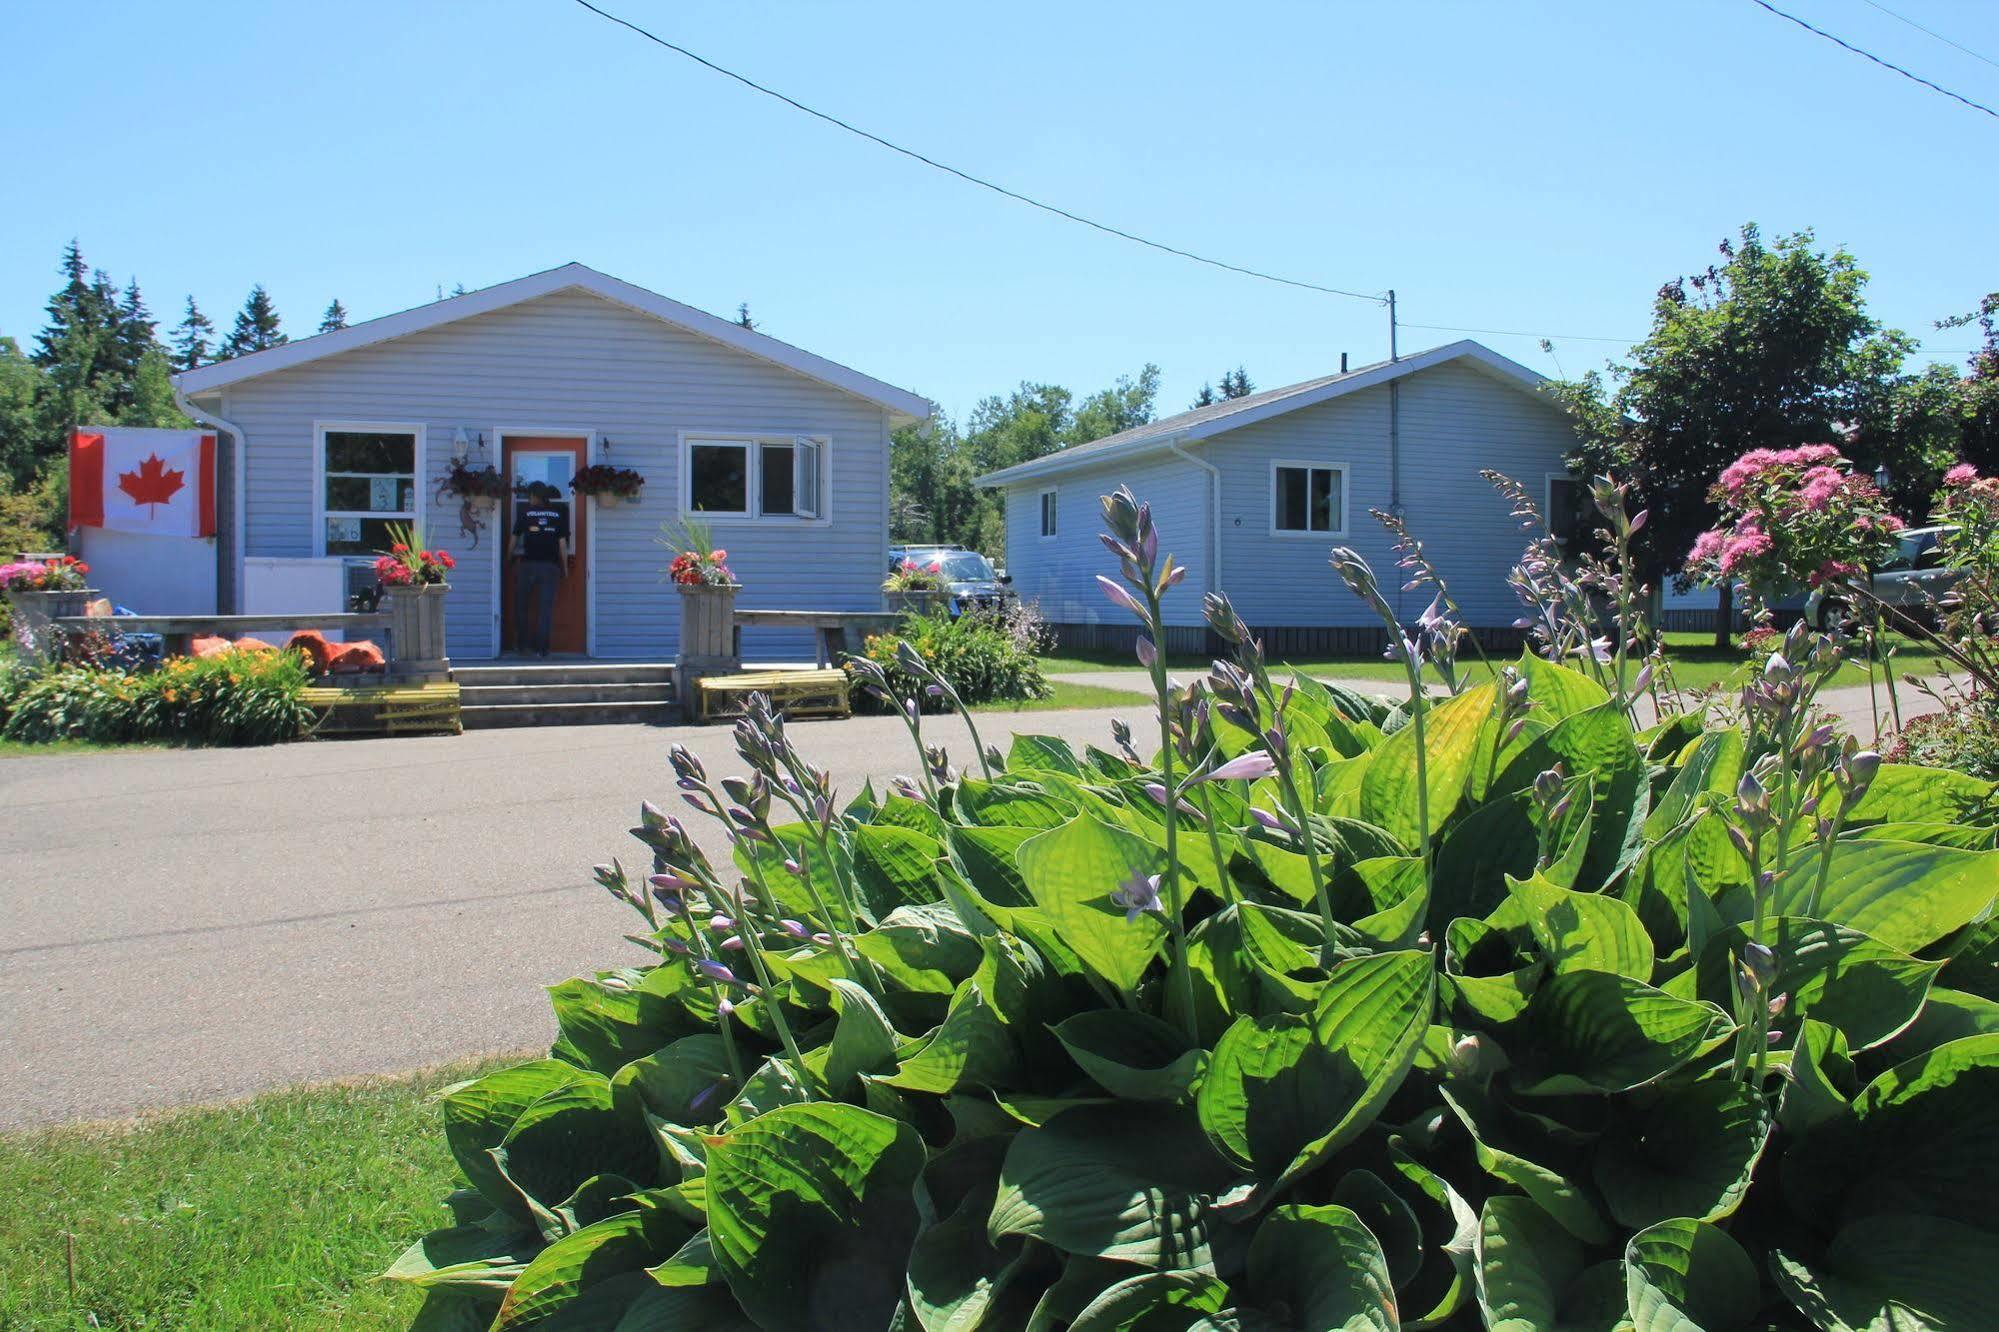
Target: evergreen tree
x,y
1235,383
1205,398
132,337
334,318
256,326
193,342
80,313
743,317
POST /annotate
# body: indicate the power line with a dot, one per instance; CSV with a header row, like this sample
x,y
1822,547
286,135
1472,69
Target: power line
x,y
1903,18
980,181
1520,333
1885,64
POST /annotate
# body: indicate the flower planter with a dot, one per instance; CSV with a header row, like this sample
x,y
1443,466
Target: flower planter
x,y
34,612
707,638
916,603
416,632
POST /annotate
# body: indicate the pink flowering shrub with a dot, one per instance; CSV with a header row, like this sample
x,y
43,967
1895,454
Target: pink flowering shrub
x,y
1793,516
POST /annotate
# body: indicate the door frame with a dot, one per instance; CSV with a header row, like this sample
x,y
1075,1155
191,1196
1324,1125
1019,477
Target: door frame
x,y
506,534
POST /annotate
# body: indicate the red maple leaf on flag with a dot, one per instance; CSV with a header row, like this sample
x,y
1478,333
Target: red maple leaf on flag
x,y
154,483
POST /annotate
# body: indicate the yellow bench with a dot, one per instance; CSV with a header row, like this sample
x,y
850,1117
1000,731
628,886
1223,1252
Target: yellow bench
x,y
415,709
816,693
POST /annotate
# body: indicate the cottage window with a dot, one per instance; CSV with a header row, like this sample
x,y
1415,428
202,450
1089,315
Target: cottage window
x,y
1307,498
1564,510
1047,513
750,476
367,486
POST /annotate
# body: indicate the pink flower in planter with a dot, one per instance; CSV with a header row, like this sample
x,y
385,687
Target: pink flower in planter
x,y
1744,546
1818,487
1961,475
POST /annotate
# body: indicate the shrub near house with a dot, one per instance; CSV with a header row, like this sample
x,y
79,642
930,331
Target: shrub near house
x,y
1331,1014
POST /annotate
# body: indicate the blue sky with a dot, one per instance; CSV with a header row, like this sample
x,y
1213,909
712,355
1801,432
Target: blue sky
x,y
1540,166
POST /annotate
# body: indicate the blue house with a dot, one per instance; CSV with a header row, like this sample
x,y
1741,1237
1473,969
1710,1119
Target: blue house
x,y
1252,493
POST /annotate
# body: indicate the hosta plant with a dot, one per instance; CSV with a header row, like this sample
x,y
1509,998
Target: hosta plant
x,y
1310,1011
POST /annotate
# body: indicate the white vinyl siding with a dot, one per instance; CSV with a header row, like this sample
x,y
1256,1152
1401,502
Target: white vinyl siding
x,y
573,363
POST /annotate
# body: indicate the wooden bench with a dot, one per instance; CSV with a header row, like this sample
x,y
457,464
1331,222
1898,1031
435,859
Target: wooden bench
x,y
814,693
836,633
179,631
416,709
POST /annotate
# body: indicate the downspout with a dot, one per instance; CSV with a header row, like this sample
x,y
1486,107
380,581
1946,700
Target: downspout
x,y
1214,550
239,488
1394,433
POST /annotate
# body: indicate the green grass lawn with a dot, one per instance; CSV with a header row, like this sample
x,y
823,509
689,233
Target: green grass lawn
x,y
16,749
1696,663
1065,695
269,1213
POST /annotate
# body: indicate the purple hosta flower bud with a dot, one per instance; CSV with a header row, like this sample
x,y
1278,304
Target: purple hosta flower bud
x,y
668,903
823,940
911,709
1809,805
1146,652
1465,1055
793,868
721,924
907,657
1644,680
1777,1007
733,944
1548,785
1741,840
1513,731
697,802
1514,695
1176,574
1752,802
1157,791
1861,771
905,786
1638,520
686,763
934,691
675,946
1124,553
1247,767
723,1008
795,928
1758,965
1821,736
1776,668
994,758
1221,617
1121,513
1354,572
738,790
1115,591
1559,810
1274,821
716,971
1138,894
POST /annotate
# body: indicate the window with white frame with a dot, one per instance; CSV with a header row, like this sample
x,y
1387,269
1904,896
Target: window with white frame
x,y
754,476
1564,511
367,486
1048,513
1308,498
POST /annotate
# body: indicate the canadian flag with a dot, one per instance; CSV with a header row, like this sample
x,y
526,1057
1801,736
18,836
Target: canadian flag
x,y
137,479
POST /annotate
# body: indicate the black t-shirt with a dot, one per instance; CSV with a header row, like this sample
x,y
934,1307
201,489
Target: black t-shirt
x,y
540,526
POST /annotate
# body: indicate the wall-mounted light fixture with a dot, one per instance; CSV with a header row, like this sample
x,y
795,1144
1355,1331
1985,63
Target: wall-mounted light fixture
x,y
460,446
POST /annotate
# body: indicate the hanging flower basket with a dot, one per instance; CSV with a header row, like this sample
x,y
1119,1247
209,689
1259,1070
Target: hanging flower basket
x,y
608,482
474,484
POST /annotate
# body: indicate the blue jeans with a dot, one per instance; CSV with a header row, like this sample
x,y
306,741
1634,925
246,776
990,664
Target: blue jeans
x,y
535,585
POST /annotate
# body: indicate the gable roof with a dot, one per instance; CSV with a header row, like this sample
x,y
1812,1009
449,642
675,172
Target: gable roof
x,y
1235,413
899,402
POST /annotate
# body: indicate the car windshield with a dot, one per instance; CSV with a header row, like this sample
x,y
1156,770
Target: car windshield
x,y
965,566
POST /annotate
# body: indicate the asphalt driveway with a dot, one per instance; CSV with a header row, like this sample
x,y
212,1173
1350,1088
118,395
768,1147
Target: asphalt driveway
x,y
188,926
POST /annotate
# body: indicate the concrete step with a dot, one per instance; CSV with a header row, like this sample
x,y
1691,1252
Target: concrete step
x,y
564,672
485,716
501,695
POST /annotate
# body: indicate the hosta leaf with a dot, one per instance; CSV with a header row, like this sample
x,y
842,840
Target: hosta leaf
x,y
1072,871
1905,894
1584,931
864,1040
1153,1302
893,866
1113,1181
1833,973
1388,1217
1012,804
902,812
987,856
1975,965
1906,793
479,1114
1253,960
810,1214
956,1273
564,1138
1699,853
1895,1272
1324,1269
1488,976
1597,1031
923,948
1496,839
472,1257
450,1310
692,1264
1924,1136
1043,751
1963,836
1398,888
1284,1092
1714,766
1509,1149
1688,1154
1597,744
1810,1096
1133,1055
1389,794
1450,1240
1532,1278
970,1048
1948,1015
603,1264
685,1083
1683,1275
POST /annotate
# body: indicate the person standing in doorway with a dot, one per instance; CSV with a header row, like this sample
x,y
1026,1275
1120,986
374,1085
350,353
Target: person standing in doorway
x,y
541,562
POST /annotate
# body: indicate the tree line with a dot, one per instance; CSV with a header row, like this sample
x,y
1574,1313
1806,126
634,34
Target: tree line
x,y
101,357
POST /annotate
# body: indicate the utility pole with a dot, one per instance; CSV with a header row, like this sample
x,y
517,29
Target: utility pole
x,y
1392,352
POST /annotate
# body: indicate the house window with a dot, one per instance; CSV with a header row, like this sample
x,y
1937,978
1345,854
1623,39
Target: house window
x,y
749,476
1047,513
1564,507
1308,499
367,485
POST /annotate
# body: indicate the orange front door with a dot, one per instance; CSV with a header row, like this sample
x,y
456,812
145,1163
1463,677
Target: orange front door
x,y
525,459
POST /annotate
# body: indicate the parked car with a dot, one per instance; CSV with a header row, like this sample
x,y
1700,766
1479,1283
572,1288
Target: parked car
x,y
970,577
1911,584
